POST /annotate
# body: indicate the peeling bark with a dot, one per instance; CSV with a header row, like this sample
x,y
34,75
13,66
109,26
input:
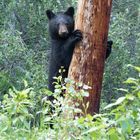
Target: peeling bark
x,y
87,64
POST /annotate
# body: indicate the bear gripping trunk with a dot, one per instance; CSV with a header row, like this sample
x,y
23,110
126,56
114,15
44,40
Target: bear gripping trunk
x,y
88,60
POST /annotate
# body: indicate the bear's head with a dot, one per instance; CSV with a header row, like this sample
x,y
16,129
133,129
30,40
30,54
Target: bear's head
x,y
61,24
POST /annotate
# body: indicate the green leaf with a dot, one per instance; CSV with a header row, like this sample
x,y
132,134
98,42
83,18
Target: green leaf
x,y
130,97
131,81
25,83
85,94
114,136
93,129
122,89
135,67
119,101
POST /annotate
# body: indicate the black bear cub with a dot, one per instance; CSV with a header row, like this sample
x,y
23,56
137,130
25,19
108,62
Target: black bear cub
x,y
63,40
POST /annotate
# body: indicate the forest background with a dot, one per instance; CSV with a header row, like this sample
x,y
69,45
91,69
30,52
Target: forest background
x,y
24,55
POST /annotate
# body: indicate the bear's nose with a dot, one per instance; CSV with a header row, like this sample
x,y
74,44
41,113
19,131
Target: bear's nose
x,y
63,31
64,34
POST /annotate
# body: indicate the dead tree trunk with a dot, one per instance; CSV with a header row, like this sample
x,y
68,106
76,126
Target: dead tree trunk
x,y
87,64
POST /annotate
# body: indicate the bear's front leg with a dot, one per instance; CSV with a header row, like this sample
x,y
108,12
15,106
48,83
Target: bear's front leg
x,y
74,38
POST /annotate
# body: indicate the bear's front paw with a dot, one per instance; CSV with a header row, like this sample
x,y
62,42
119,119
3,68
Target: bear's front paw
x,y
109,43
109,48
77,36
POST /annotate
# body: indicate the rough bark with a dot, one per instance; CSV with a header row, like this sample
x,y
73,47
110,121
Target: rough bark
x,y
87,64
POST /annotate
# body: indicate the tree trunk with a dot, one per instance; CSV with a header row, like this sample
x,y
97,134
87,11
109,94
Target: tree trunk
x,y
88,60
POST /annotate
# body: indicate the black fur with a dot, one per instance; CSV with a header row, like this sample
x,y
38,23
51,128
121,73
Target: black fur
x,y
61,46
109,48
63,42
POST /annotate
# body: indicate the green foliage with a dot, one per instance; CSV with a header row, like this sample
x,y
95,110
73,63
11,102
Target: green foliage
x,y
18,112
124,31
19,62
25,112
23,29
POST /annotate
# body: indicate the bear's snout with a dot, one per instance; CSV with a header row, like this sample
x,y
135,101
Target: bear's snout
x,y
63,31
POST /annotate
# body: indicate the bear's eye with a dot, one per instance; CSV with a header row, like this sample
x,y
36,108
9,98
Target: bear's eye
x,y
67,24
57,24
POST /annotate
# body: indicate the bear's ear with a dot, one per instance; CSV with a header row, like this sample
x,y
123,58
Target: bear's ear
x,y
50,14
70,11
